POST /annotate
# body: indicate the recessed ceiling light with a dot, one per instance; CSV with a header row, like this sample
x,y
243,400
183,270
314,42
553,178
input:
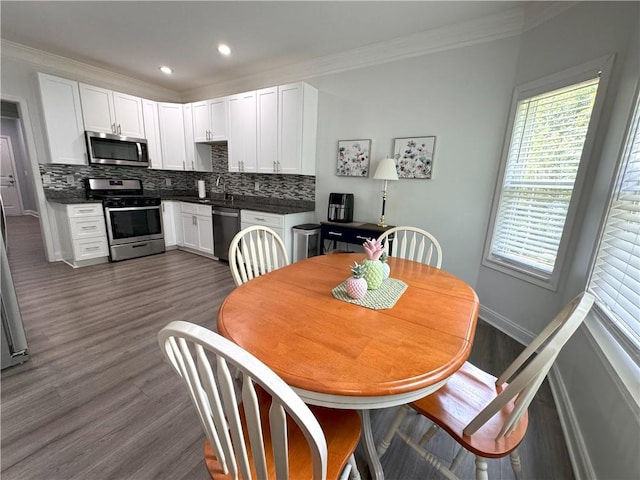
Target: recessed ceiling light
x,y
224,49
166,70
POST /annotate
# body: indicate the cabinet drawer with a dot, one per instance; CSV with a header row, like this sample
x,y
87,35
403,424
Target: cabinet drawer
x,y
348,235
260,218
90,248
195,209
84,227
85,210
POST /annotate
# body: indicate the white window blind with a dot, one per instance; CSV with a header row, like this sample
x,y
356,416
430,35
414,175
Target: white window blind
x,y
547,140
615,280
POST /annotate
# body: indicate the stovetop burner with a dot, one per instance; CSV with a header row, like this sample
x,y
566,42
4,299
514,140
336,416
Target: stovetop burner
x,y
115,192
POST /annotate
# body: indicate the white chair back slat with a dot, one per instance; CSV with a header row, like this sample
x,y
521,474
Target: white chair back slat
x,y
278,420
254,426
413,243
213,393
254,251
222,444
186,366
524,385
232,414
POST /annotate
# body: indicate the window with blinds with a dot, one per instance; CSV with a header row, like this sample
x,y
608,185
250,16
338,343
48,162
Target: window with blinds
x,y
545,149
615,278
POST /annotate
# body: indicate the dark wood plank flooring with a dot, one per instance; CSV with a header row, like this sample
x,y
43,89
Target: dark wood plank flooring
x,y
96,400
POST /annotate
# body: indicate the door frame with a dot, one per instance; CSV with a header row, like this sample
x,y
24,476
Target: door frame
x,y
31,151
15,174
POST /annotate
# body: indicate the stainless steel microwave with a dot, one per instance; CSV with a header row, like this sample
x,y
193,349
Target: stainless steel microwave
x,y
108,149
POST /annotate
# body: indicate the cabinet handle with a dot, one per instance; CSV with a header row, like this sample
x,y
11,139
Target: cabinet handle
x,y
89,228
338,234
184,167
85,210
361,237
119,130
92,248
275,168
193,165
260,219
278,168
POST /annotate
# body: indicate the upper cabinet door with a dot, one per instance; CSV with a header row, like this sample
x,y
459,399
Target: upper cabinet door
x,y
112,112
201,122
218,112
297,128
210,120
128,115
172,135
267,134
62,116
152,130
97,109
242,132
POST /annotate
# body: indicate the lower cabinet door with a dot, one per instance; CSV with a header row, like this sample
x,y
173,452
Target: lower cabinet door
x,y
205,234
189,231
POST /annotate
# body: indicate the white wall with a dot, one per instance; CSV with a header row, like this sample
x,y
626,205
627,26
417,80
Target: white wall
x,y
601,419
462,97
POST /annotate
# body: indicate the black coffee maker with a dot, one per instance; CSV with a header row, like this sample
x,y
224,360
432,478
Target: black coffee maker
x,y
340,207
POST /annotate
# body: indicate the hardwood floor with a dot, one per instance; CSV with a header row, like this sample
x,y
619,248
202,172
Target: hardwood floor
x,y
96,400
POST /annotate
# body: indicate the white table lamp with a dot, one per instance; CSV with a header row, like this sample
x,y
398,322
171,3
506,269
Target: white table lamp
x,y
386,171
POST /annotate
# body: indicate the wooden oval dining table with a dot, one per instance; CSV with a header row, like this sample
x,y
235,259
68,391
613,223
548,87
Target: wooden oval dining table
x,y
341,355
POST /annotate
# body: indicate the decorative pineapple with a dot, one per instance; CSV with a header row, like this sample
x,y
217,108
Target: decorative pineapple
x,y
386,269
374,274
357,285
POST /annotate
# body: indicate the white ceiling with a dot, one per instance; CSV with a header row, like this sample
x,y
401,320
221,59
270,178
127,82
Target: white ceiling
x,y
135,38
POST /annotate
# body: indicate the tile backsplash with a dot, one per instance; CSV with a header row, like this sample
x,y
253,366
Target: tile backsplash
x,y
69,179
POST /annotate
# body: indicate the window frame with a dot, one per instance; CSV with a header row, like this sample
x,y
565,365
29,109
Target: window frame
x,y
571,76
612,333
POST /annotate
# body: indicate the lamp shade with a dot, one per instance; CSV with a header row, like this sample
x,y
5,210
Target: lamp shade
x,y
386,170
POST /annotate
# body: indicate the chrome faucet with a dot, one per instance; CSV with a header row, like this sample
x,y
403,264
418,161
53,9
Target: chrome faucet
x,y
224,187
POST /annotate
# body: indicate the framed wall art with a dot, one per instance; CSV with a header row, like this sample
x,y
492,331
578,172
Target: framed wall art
x,y
414,156
353,158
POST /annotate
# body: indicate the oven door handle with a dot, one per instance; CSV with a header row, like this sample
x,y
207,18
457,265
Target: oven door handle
x,y
127,209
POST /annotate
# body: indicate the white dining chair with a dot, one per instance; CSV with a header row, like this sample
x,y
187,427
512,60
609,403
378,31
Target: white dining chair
x,y
412,243
254,251
271,432
487,416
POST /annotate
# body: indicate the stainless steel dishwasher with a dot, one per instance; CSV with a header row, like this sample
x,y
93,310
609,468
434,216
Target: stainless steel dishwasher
x,y
226,223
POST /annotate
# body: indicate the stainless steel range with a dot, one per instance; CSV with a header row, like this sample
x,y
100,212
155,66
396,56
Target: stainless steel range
x,y
134,220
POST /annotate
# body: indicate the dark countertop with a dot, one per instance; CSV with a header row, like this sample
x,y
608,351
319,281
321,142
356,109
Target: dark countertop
x,y
261,204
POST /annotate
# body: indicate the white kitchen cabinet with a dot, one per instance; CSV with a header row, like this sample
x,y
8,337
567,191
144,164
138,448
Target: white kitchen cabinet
x,y
171,225
198,156
210,120
242,129
281,224
172,136
82,233
112,112
152,130
62,114
197,227
287,118
267,132
297,128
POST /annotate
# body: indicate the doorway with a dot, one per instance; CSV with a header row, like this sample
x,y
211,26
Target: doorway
x,y
9,185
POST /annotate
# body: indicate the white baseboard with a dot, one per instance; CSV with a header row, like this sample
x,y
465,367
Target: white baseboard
x,y
33,213
506,326
578,454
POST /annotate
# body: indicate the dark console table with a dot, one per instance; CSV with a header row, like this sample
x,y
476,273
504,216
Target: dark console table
x,y
354,233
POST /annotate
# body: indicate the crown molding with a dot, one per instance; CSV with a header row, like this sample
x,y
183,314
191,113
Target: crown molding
x,y
83,72
502,25
537,13
505,24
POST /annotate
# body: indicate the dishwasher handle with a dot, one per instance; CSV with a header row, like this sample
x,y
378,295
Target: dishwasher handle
x,y
226,214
